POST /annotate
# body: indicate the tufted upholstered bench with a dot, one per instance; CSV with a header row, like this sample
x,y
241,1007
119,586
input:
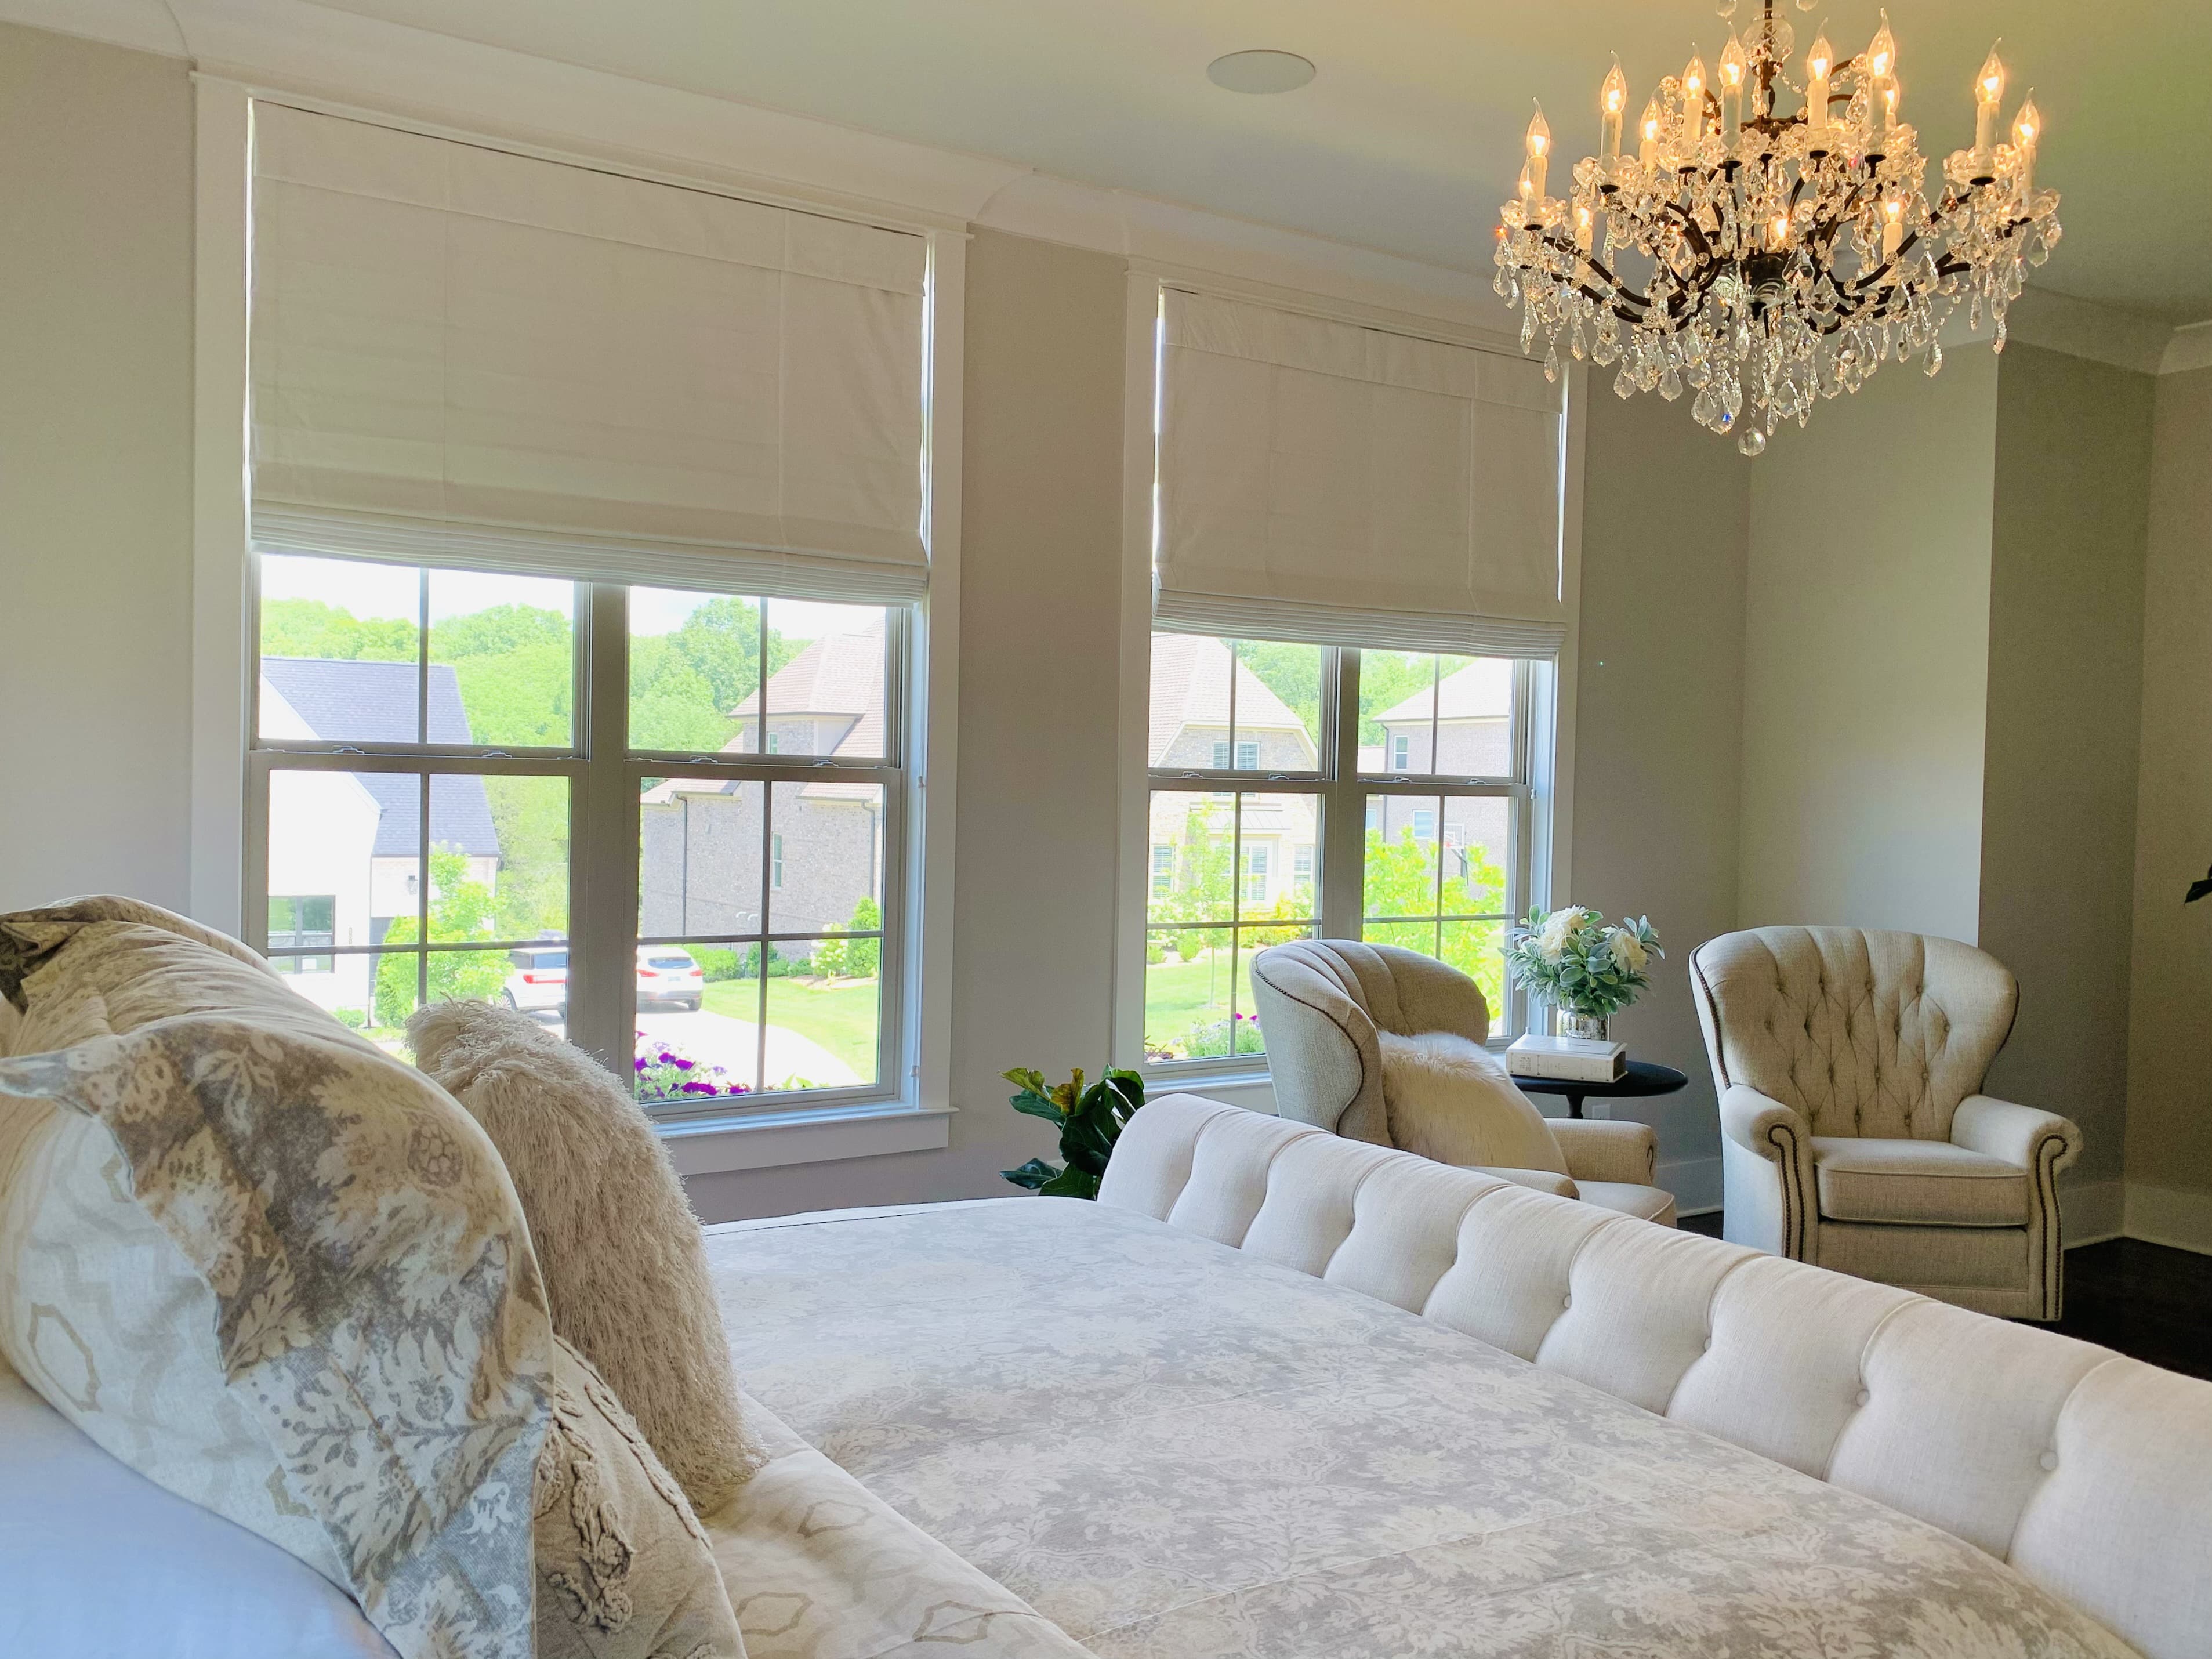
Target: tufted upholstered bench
x,y
2089,1473
1855,1134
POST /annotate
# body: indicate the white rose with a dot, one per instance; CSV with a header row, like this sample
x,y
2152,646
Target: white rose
x,y
1557,928
1628,951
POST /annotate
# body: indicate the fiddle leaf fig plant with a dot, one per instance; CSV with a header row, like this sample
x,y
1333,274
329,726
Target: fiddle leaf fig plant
x,y
1090,1121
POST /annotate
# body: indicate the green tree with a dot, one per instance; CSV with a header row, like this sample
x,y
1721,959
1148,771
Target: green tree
x,y
683,683
1400,881
863,956
309,628
531,818
460,910
1292,672
1387,678
516,667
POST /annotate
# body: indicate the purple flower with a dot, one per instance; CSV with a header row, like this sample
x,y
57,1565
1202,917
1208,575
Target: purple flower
x,y
685,1064
642,1062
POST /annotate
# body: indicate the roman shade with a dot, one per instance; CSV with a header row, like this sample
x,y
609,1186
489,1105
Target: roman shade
x,y
468,356
1327,481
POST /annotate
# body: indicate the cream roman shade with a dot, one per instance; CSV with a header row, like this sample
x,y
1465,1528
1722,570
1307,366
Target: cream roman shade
x,y
474,356
1325,481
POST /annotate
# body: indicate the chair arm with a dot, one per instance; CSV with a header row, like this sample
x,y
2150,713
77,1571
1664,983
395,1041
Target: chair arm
x,y
1763,1125
2018,1134
1542,1179
1598,1149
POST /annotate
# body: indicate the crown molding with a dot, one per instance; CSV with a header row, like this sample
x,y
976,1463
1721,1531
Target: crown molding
x,y
140,25
2189,349
2124,339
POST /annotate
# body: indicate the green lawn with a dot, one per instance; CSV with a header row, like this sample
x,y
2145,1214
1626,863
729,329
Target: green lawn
x,y
1180,995
839,1014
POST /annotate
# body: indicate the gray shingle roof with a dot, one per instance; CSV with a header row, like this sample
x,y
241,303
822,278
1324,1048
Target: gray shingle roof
x,y
344,701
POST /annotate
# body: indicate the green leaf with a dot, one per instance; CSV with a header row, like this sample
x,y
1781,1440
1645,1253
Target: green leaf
x,y
1036,1175
1070,1183
1038,1105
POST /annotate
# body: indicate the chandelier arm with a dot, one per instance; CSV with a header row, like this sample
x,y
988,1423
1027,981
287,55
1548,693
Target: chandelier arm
x,y
1620,289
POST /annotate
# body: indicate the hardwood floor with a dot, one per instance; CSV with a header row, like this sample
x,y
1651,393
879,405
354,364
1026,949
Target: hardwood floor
x,y
2143,1300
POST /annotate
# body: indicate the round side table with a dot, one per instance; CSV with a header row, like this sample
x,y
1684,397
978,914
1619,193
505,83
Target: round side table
x,y
1642,1077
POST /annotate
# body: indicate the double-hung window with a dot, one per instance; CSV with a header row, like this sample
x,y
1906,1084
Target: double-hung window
x,y
1437,861
414,719
1358,588
590,527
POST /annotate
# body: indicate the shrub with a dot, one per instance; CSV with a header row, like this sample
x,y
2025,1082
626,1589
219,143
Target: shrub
x,y
716,963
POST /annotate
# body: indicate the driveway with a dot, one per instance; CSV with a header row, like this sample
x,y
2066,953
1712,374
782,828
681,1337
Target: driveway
x,y
718,1039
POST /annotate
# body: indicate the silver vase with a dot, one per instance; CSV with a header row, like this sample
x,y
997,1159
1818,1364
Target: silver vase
x,y
1590,1027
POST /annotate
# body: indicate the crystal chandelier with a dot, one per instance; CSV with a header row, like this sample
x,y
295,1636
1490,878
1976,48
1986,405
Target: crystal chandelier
x,y
1786,255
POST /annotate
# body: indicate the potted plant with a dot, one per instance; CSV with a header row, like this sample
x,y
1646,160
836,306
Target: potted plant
x,y
1090,1119
1587,970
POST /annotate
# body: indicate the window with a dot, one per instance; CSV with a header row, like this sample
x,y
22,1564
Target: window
x,y
412,720
301,924
1245,751
1436,857
1255,875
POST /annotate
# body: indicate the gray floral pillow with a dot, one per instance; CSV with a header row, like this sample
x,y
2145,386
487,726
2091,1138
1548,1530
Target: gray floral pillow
x,y
377,1310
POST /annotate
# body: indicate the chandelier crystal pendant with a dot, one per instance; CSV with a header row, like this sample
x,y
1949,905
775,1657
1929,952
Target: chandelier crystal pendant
x,y
1786,255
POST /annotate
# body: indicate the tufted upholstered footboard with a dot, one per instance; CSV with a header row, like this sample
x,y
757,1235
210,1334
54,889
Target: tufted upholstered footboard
x,y
2090,1473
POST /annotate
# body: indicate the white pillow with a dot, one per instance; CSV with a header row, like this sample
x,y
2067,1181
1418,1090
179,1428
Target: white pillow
x,y
1452,1100
284,1275
98,1560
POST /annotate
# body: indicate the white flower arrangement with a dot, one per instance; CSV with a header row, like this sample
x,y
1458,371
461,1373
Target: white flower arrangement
x,y
1571,959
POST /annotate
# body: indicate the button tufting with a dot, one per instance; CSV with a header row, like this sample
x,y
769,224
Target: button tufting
x,y
2049,1460
1567,1301
1864,1396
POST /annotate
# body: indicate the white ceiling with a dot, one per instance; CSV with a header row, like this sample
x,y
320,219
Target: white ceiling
x,y
1410,133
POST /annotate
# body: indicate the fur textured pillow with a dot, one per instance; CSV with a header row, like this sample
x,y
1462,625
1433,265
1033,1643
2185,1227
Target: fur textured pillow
x,y
616,1238
1453,1100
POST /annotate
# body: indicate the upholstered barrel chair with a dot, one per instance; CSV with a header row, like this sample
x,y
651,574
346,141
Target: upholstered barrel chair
x,y
1323,1006
1854,1133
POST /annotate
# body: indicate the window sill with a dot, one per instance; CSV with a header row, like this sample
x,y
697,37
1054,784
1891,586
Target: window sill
x,y
718,1145
1253,1089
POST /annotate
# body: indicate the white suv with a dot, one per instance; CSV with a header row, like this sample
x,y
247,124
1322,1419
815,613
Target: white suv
x,y
668,978
539,980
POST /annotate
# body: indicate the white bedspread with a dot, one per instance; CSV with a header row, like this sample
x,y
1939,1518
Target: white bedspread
x,y
1177,1452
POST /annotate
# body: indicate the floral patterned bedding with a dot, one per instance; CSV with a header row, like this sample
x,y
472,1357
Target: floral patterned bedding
x,y
1174,1451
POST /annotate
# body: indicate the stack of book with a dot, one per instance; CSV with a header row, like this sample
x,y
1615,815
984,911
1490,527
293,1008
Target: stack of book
x,y
1573,1060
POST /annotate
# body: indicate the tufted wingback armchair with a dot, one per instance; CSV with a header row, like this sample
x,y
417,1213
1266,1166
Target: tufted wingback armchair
x,y
1854,1133
1322,1003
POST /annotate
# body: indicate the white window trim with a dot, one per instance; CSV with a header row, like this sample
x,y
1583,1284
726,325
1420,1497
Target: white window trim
x,y
1552,711
222,656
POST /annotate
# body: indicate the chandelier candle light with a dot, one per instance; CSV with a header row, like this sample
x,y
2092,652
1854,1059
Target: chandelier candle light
x,y
1788,255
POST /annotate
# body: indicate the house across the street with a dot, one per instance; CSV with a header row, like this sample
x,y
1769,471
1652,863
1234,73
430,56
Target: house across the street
x,y
345,847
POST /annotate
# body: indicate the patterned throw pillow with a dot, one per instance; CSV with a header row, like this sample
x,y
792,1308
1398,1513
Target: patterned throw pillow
x,y
625,1270
284,1275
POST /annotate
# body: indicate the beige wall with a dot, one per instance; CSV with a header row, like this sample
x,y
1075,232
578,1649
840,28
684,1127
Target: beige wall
x,y
2058,781
96,469
1866,658
2169,1156
1041,550
1659,721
